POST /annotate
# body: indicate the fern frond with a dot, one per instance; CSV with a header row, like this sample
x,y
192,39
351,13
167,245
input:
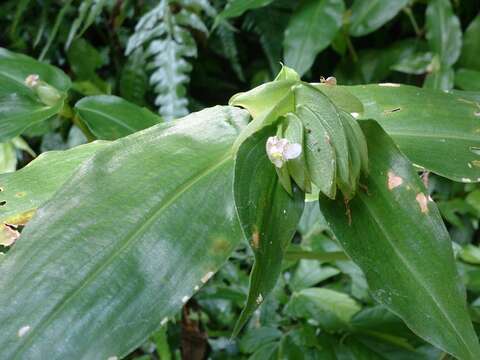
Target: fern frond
x,y
168,44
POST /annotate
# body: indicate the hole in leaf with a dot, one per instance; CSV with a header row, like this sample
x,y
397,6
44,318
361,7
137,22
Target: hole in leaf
x,y
3,203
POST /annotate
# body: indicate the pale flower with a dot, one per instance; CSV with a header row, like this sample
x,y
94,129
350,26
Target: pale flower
x,y
281,150
32,80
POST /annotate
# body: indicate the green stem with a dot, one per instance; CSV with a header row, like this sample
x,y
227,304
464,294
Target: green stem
x,y
85,130
351,48
407,10
315,255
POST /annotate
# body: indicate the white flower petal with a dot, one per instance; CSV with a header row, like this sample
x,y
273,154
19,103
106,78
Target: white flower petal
x,y
292,151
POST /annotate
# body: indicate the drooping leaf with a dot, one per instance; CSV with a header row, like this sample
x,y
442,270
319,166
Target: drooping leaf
x,y
436,130
124,259
311,29
268,216
471,46
444,33
368,16
29,188
20,107
110,117
397,237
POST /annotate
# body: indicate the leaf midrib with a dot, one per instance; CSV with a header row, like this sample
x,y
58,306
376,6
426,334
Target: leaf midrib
x,y
432,136
113,119
411,269
127,240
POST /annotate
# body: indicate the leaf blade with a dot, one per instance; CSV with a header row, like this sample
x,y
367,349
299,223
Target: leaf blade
x,y
140,240
397,221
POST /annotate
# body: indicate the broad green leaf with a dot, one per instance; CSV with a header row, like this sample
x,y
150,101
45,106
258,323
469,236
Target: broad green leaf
x,y
311,29
397,237
235,8
111,252
268,216
467,79
444,33
110,117
17,67
331,309
471,46
30,187
20,107
436,130
368,16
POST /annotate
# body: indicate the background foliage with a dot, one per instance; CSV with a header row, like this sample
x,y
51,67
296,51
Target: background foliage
x,y
178,56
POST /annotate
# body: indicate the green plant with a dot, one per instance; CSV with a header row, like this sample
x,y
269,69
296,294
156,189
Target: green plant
x,y
384,212
135,237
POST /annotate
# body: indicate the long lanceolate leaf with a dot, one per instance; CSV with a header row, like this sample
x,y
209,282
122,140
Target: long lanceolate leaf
x,y
268,215
23,191
396,235
124,242
438,131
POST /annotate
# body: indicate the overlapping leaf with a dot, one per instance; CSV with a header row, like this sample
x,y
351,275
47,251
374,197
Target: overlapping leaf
x,y
397,237
268,216
111,252
437,131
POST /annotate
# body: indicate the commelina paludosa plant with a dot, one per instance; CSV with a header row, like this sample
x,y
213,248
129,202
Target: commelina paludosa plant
x,y
109,239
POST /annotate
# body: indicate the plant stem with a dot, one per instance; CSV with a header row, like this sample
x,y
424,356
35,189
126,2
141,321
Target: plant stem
x,y
407,10
351,48
85,130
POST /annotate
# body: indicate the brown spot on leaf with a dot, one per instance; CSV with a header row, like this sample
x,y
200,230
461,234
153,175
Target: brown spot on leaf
x,y
394,180
220,245
20,219
422,201
8,234
20,194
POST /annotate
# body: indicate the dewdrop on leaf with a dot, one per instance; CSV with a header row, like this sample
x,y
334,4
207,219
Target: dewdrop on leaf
x,y
281,150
